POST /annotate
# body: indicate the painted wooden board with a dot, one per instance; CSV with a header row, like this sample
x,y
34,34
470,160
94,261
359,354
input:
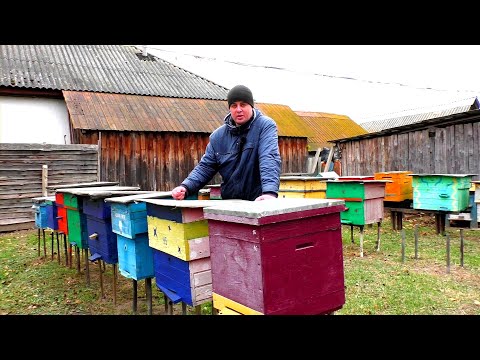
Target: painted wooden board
x,y
229,307
443,192
130,219
476,186
186,241
129,215
104,191
178,227
304,183
291,264
40,210
304,194
356,189
400,188
97,208
186,281
52,220
135,257
356,178
364,212
137,197
215,191
61,213
77,225
102,241
45,212
70,201
271,211
363,199
181,211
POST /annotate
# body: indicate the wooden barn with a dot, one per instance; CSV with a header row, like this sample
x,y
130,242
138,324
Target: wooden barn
x,y
154,142
443,141
149,119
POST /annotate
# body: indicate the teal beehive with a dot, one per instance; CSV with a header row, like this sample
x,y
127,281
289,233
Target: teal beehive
x,y
442,192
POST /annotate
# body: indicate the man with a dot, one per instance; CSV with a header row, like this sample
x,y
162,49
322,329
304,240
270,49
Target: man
x,y
244,150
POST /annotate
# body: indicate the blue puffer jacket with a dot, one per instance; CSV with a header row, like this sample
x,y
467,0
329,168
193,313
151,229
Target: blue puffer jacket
x,y
247,158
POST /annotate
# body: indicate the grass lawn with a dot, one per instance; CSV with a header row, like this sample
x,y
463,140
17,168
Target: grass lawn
x,y
379,283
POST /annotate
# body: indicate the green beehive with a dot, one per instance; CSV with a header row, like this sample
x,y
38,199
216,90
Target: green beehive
x,y
363,200
77,222
443,192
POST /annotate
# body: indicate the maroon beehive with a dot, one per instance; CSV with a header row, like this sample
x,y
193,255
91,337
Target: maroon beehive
x,y
280,256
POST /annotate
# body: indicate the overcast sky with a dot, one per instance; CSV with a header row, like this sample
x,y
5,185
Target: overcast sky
x,y
364,82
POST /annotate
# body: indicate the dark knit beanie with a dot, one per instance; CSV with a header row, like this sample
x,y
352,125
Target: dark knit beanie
x,y
240,93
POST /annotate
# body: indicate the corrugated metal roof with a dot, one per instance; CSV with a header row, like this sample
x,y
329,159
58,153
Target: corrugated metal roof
x,y
123,112
329,127
471,116
412,116
118,69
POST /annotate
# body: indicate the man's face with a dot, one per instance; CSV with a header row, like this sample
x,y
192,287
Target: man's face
x,y
241,112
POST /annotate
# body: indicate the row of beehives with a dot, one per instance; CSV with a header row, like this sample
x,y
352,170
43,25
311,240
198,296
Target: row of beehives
x,y
267,257
439,192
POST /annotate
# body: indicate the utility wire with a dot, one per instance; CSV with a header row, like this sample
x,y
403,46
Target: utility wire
x,y
311,73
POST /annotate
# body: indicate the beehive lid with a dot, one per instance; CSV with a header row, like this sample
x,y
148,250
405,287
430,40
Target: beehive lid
x,y
260,209
137,197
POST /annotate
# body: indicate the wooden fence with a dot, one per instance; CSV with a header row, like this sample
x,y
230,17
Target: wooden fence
x,y
21,176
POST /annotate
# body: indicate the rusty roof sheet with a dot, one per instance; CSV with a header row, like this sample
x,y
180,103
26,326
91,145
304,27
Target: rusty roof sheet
x,y
120,69
123,112
328,127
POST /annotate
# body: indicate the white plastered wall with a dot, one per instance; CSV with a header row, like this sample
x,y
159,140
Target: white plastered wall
x,y
33,120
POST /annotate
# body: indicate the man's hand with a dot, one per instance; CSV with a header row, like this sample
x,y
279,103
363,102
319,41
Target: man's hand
x,y
265,197
179,193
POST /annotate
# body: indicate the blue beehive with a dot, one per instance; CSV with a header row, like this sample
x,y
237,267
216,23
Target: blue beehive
x,y
186,281
135,257
129,219
40,215
52,221
129,222
102,241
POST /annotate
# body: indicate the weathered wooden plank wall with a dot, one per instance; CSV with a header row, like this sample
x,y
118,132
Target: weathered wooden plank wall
x,y
453,149
21,176
160,161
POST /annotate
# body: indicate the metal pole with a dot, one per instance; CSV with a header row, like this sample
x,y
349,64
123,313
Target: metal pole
x,y
58,247
461,247
416,241
44,244
39,243
448,254
87,267
52,245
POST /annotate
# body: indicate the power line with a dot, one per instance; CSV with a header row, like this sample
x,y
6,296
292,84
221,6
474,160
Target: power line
x,y
312,73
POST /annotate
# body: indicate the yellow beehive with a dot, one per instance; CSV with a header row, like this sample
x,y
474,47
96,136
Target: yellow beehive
x,y
229,307
302,183
305,194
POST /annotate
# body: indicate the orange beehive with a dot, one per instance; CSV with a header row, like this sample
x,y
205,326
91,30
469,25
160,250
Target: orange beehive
x,y
400,188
